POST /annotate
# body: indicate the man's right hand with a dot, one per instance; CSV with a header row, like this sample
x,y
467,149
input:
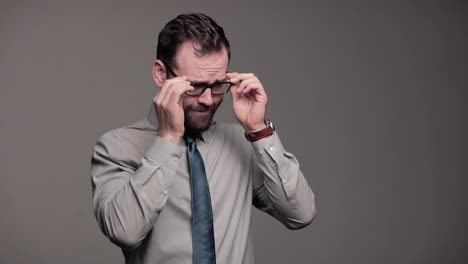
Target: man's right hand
x,y
169,108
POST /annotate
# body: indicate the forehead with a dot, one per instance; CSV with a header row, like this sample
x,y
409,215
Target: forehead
x,y
208,67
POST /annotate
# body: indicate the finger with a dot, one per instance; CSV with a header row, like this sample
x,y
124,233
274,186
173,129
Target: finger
x,y
248,82
254,91
177,94
245,76
249,89
167,84
177,87
232,77
231,74
241,77
166,89
251,92
235,95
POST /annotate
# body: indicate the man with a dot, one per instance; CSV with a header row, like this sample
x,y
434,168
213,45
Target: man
x,y
178,187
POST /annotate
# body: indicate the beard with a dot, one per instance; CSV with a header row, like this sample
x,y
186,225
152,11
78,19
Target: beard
x,y
199,118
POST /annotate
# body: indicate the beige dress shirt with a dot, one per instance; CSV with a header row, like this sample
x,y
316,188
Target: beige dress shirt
x,y
142,200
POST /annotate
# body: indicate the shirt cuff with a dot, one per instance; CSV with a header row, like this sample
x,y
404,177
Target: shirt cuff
x,y
271,145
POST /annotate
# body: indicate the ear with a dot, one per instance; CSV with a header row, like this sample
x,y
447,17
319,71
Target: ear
x,y
159,73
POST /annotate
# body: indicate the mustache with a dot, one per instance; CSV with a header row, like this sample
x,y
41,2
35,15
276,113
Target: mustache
x,y
200,108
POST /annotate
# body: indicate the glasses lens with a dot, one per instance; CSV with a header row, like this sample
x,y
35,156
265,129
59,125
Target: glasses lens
x,y
220,88
197,90
216,89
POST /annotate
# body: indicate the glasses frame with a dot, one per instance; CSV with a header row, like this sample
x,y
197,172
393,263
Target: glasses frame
x,y
205,85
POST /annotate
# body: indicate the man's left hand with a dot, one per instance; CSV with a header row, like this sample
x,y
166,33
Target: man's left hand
x,y
249,100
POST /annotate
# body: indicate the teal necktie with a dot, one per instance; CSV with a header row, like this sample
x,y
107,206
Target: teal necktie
x,y
203,242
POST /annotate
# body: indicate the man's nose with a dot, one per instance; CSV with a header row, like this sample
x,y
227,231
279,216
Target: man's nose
x,y
206,97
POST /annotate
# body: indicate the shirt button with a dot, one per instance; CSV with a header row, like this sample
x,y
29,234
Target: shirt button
x,y
272,148
165,192
284,180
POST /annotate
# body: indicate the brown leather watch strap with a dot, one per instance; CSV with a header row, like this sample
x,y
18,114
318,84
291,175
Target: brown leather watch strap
x,y
257,135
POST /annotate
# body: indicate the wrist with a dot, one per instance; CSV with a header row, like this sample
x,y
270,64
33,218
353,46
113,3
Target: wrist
x,y
267,130
255,128
173,138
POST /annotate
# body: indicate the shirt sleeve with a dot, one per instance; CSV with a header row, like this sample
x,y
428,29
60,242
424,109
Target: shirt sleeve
x,y
128,198
280,188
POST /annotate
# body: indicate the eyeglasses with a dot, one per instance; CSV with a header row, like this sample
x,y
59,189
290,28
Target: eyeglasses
x,y
217,88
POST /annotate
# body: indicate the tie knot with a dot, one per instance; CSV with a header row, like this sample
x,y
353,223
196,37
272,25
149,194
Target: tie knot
x,y
189,139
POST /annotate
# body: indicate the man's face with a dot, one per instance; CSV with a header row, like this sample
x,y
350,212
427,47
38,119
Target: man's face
x,y
199,111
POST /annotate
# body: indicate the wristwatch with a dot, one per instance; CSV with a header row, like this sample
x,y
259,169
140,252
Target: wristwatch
x,y
264,132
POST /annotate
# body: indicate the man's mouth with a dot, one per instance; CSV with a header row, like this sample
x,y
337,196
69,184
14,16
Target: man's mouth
x,y
202,110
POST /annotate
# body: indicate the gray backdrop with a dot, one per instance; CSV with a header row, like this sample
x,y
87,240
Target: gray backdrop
x,y
369,96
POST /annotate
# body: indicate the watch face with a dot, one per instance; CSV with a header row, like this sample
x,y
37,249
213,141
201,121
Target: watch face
x,y
270,124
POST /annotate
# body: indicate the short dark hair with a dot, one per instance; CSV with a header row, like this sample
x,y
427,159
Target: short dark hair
x,y
206,35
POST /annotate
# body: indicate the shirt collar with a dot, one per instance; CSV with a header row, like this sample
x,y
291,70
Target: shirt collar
x,y
205,136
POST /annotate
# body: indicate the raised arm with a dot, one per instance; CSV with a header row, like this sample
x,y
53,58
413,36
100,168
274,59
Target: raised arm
x,y
128,194
280,188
